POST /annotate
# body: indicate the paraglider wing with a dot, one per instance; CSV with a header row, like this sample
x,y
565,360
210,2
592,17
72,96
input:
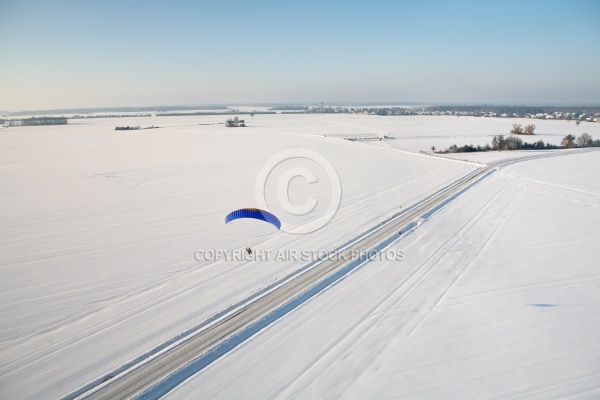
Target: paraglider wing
x,y
254,213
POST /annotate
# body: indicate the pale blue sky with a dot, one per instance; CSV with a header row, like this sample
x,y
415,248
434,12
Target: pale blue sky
x,y
62,54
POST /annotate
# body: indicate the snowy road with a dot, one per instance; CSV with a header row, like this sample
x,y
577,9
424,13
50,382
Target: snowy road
x,y
144,377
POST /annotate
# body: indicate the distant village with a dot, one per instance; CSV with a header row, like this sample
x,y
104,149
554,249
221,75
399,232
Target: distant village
x,y
568,113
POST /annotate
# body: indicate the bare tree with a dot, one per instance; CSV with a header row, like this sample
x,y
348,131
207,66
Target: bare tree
x,y
568,141
501,143
517,129
495,143
585,140
528,130
513,143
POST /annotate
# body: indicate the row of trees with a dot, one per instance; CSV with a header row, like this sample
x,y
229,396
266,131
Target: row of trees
x,y
583,140
35,121
520,130
500,143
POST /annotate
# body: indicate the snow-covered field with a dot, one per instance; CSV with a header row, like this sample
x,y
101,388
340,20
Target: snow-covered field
x,y
100,229
498,296
419,133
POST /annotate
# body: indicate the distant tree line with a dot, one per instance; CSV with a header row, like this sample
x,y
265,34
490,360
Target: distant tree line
x,y
109,110
36,121
127,128
500,143
289,108
110,116
213,113
521,110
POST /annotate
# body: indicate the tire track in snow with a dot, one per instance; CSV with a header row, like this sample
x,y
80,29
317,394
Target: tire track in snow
x,y
425,304
189,355
343,349
495,293
461,272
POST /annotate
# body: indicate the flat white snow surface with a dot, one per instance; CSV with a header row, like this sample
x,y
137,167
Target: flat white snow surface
x,y
498,293
419,133
100,228
498,297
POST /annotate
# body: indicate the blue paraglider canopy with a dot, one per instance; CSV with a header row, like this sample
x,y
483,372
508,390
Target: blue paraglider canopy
x,y
254,213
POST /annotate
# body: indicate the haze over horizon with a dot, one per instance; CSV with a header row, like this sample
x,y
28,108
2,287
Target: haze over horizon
x,y
70,54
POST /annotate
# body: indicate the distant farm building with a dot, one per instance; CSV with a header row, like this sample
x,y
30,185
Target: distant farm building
x,y
35,121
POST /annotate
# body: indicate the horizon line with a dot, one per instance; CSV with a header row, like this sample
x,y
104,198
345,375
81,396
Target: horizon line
x,y
300,103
